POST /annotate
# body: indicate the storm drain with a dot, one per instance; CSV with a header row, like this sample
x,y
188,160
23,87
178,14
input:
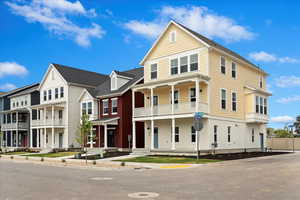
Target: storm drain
x,y
101,178
143,195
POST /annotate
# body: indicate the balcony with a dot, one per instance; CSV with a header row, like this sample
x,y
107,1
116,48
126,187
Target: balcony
x,y
15,125
166,109
48,122
256,118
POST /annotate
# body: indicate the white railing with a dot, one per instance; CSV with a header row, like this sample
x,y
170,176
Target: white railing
x,y
48,122
19,125
257,117
166,109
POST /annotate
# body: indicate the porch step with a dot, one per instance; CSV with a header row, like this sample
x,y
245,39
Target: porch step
x,y
48,150
140,152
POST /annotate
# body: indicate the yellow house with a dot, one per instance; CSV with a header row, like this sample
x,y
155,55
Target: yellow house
x,y
184,73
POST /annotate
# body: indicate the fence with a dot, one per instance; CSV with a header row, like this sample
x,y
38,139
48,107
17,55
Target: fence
x,y
284,143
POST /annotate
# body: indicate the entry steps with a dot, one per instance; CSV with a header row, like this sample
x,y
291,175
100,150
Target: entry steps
x,y
140,152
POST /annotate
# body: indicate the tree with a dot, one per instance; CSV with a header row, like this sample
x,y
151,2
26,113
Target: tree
x,y
83,132
282,133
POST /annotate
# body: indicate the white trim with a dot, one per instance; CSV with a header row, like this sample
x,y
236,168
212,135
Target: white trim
x,y
81,95
163,32
113,99
105,100
46,74
235,70
153,63
220,67
236,100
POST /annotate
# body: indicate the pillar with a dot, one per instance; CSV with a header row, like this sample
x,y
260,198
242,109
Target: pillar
x,y
133,135
172,98
197,94
151,100
31,138
38,138
173,133
6,137
152,134
91,138
17,131
52,138
105,135
133,102
45,141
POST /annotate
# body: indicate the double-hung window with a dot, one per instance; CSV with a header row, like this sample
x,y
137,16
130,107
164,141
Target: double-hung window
x,y
257,104
194,62
176,134
265,106
61,92
261,107
114,106
105,107
233,96
155,100
193,132
228,133
45,95
60,114
193,94
252,135
56,93
223,65
176,97
154,71
89,108
223,99
183,64
49,94
215,133
174,66
83,109
261,82
233,70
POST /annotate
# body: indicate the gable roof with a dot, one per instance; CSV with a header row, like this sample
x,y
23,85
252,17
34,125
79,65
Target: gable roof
x,y
206,41
26,91
104,89
78,76
15,91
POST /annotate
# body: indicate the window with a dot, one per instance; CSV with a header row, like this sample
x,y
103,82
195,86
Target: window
x,y
265,106
228,133
261,105
233,70
193,131
60,114
114,105
261,82
52,74
45,95
47,138
25,102
176,97
223,65
155,100
176,134
61,92
89,108
14,104
183,64
56,93
252,137
17,104
194,62
113,82
172,36
154,71
223,98
174,66
233,101
49,95
257,104
193,94
105,106
215,133
83,108
22,103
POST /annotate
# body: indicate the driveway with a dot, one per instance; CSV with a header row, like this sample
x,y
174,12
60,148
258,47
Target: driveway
x,y
274,178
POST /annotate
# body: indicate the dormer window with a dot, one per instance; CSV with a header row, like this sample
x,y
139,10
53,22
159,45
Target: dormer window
x,y
172,36
113,82
117,80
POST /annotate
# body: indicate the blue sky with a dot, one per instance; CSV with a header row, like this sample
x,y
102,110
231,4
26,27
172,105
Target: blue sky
x,y
105,35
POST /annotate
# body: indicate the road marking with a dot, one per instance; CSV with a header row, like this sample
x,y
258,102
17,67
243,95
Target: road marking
x,y
143,195
101,178
174,166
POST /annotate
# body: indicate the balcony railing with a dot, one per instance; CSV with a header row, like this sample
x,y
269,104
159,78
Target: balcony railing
x,y
257,118
166,109
48,122
15,125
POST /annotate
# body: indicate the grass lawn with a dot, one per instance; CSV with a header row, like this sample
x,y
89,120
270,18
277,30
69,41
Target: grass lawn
x,y
168,159
15,153
52,155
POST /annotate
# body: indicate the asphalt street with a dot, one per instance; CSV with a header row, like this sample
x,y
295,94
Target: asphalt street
x,y
274,178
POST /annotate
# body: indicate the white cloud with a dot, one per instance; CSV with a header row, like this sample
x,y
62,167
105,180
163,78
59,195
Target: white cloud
x,y
287,81
268,57
289,99
200,19
282,119
7,87
55,17
12,68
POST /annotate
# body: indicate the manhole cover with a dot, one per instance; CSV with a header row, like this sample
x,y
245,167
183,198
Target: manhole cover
x,y
143,195
101,178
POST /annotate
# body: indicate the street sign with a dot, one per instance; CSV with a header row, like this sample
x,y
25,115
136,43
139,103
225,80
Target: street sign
x,y
198,125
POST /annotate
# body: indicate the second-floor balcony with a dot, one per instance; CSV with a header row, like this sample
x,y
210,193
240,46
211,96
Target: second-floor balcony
x,y
256,118
48,122
180,108
15,126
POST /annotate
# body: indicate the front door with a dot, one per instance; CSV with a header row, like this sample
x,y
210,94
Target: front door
x,y
110,138
60,140
155,137
262,141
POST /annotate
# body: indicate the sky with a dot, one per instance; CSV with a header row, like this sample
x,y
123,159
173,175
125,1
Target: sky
x,y
102,35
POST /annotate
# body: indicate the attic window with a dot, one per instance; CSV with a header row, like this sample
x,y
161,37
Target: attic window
x,y
53,76
172,36
113,83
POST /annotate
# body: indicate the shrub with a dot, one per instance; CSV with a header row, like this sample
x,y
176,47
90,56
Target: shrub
x,y
122,164
11,157
63,160
94,162
42,159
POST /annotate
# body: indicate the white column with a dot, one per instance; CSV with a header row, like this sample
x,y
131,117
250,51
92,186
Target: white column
x,y
91,138
133,102
151,100
52,115
45,138
105,136
173,133
133,135
17,131
30,134
172,98
31,138
197,95
52,138
152,134
6,138
11,138
38,138
45,115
